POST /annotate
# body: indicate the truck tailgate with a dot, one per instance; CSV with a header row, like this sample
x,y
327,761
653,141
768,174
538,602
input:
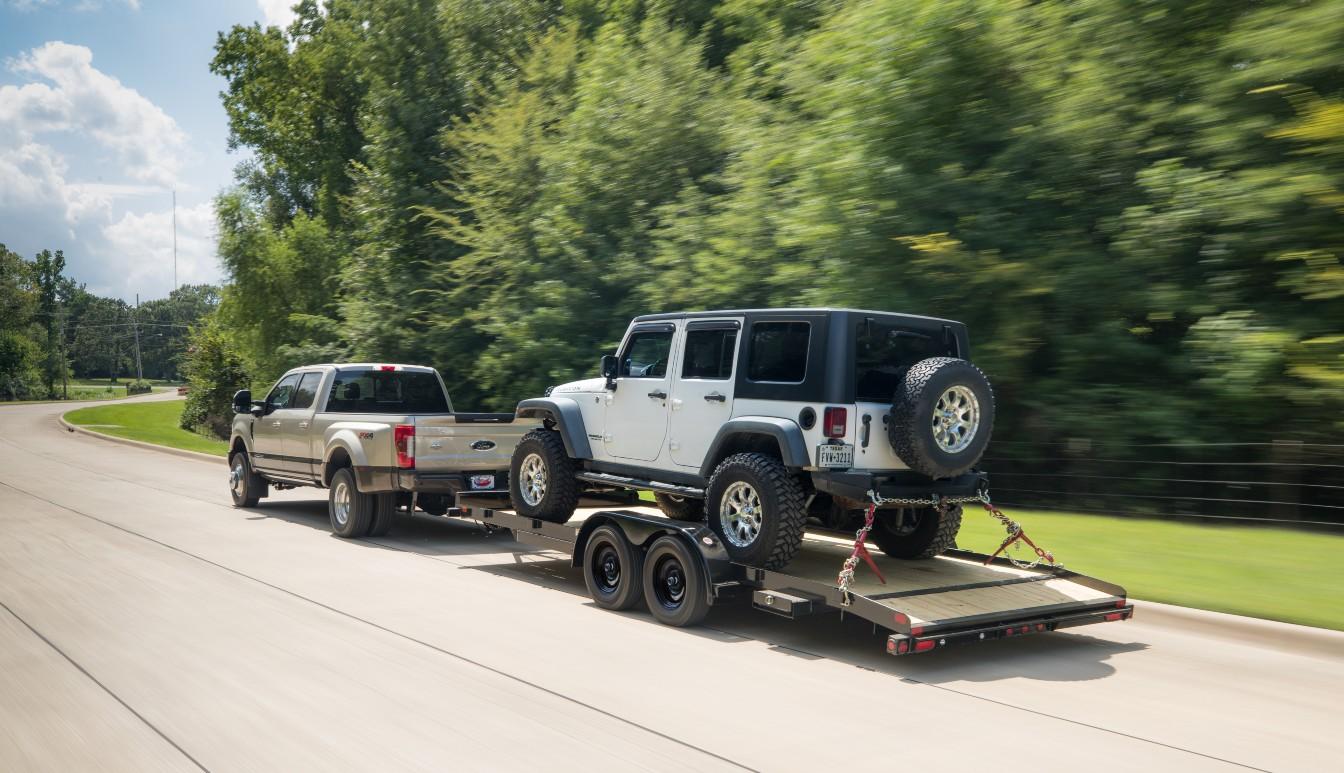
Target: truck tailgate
x,y
461,442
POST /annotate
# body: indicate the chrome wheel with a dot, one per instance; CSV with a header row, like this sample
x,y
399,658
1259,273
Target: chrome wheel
x,y
238,477
956,418
532,483
740,514
340,503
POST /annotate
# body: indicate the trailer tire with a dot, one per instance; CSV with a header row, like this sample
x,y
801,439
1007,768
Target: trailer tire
x,y
680,508
612,569
941,395
349,510
930,536
777,533
384,513
674,583
555,494
245,485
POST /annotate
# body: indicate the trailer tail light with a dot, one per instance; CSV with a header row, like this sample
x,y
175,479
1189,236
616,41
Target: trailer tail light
x,y
403,437
925,646
1114,616
833,422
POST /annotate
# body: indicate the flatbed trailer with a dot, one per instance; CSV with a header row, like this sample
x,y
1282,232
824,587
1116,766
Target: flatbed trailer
x,y
957,598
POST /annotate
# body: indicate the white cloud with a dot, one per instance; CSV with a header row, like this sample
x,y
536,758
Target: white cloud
x,y
143,245
277,13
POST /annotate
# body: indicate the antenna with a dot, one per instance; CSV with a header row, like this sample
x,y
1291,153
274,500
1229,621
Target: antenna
x,y
174,238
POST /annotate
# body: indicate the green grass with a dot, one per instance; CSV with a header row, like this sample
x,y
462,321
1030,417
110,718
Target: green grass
x,y
1272,573
150,422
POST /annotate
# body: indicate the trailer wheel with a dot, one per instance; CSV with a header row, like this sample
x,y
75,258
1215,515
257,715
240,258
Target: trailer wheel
x,y
758,508
611,569
541,478
245,485
674,583
680,508
384,513
349,510
916,532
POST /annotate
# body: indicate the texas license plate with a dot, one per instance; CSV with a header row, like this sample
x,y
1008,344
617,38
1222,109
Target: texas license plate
x,y
835,455
482,482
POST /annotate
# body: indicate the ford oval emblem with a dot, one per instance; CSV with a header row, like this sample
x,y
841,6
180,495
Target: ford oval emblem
x,y
483,445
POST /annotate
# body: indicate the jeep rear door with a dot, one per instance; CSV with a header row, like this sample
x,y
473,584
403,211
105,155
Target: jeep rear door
x,y
702,395
637,410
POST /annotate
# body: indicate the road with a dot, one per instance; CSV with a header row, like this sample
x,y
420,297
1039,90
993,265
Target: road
x,y
146,624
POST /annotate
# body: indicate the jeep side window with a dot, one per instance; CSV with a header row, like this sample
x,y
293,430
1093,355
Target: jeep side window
x,y
779,351
709,354
283,391
646,355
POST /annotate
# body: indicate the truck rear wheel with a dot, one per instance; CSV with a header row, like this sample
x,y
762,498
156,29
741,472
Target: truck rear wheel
x,y
674,583
541,478
680,508
916,532
758,508
384,513
349,510
612,569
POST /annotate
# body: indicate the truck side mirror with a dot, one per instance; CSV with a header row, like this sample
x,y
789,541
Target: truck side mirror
x,y
610,367
242,401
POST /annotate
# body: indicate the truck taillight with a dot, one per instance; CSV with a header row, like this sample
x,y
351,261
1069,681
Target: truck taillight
x,y
833,422
403,437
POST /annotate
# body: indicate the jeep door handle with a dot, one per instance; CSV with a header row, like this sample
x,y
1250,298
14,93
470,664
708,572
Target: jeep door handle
x,y
715,397
659,394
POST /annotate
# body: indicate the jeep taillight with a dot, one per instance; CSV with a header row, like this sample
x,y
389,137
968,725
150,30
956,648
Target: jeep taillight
x,y
833,422
403,437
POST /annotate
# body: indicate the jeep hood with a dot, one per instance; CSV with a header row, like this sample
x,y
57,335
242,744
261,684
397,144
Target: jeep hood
x,y
586,385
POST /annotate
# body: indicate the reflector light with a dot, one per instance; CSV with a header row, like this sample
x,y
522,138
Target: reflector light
x,y
917,630
901,618
1007,632
834,421
902,648
1040,626
403,438
891,645
1120,604
925,646
1112,617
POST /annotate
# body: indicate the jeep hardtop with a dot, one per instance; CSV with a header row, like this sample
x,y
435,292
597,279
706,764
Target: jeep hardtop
x,y
757,419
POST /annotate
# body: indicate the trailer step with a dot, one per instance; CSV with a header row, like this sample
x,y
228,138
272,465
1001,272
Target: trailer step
x,y
639,483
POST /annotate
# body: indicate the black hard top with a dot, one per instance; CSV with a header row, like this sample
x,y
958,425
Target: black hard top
x,y
784,311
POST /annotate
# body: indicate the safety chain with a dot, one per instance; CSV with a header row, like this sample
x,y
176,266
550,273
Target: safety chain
x,y
846,577
1016,535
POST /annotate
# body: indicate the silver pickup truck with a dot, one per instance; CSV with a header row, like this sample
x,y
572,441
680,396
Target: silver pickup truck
x,y
377,437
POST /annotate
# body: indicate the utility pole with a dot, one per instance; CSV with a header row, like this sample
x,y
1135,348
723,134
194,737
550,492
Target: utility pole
x,y
174,240
139,374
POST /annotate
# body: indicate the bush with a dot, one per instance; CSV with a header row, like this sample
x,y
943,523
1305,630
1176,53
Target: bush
x,y
139,388
214,372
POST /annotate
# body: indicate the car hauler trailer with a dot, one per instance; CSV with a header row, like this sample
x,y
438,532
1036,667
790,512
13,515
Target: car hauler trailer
x,y
632,555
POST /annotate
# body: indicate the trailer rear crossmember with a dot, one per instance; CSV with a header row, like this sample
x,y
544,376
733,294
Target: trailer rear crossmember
x,y
957,598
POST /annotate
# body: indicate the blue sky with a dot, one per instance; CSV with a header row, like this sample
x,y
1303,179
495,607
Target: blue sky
x,y
106,106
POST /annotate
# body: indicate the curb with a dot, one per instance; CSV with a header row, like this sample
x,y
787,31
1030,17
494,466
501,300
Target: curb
x,y
141,444
1301,639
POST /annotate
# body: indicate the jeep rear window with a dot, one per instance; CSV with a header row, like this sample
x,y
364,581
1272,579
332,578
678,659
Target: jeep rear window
x,y
884,351
779,351
386,391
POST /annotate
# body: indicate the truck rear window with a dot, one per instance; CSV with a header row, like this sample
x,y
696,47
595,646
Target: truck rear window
x,y
386,391
884,351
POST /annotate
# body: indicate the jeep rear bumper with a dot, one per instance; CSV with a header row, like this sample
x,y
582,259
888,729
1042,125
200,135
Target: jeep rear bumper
x,y
904,484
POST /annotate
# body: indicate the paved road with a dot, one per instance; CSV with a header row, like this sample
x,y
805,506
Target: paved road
x,y
145,624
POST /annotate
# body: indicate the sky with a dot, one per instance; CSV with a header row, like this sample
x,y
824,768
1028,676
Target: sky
x,y
106,108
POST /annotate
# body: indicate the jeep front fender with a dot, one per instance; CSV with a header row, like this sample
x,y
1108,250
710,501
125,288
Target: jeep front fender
x,y
567,417
786,434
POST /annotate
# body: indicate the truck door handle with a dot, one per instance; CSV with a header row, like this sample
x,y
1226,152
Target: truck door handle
x,y
715,397
659,394
275,424
303,425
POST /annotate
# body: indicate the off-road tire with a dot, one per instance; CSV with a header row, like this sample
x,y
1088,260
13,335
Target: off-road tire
x,y
782,499
561,497
360,510
931,536
624,590
254,486
692,604
384,514
910,430
680,508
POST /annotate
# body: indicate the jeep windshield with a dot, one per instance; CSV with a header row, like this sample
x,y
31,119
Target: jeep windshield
x,y
884,350
370,390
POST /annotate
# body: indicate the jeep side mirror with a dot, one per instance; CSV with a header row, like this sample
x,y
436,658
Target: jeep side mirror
x,y
242,401
610,367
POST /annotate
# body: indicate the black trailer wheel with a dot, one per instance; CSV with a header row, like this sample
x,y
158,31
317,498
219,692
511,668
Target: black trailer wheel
x,y
914,533
758,508
680,508
246,486
384,513
541,478
674,583
941,417
612,570
349,510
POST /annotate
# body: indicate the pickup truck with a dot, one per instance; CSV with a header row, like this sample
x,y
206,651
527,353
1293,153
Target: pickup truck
x,y
377,437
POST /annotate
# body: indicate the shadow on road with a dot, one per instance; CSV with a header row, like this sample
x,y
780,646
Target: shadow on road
x,y
1053,657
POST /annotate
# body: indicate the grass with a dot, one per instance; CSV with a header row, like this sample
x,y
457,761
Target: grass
x,y
1273,573
149,422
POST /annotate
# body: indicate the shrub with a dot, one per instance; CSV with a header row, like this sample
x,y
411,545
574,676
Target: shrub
x,y
214,372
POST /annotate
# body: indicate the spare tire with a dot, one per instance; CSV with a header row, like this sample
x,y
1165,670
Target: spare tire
x,y
941,417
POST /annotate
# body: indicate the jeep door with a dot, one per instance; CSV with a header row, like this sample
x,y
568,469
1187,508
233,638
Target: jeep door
x,y
637,411
702,395
268,431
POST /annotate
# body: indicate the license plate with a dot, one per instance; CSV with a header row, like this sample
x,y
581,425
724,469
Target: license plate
x,y
835,455
482,482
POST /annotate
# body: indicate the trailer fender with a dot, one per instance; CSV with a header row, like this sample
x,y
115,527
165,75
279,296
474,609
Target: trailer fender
x,y
567,417
641,530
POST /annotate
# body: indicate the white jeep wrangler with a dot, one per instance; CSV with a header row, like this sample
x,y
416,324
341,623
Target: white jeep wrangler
x,y
759,418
